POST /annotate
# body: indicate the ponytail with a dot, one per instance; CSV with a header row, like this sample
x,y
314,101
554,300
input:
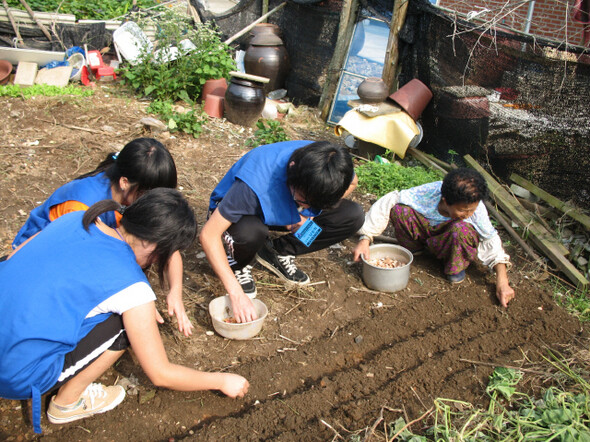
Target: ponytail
x,y
98,209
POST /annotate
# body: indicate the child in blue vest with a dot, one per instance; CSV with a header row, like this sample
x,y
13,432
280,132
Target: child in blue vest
x,y
279,187
143,164
76,296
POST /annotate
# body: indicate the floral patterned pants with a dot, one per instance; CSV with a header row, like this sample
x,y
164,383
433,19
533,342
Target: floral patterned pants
x,y
453,242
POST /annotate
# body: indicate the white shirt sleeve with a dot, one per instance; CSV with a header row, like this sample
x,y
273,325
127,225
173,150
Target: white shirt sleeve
x,y
377,218
491,252
132,296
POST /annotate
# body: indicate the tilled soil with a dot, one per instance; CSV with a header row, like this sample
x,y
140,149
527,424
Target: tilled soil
x,y
331,357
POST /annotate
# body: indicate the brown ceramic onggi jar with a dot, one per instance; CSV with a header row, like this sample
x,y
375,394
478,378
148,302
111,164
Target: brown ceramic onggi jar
x,y
244,98
266,56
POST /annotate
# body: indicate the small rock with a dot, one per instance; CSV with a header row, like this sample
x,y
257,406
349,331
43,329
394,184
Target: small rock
x,y
209,333
153,124
358,339
201,255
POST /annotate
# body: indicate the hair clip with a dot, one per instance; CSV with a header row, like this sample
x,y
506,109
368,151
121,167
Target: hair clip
x,y
122,209
115,155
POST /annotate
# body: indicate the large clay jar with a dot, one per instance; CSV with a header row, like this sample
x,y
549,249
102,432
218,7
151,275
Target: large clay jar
x,y
265,28
372,90
267,57
244,98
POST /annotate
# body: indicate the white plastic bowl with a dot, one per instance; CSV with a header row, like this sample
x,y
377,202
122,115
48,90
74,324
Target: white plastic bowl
x,y
387,280
220,309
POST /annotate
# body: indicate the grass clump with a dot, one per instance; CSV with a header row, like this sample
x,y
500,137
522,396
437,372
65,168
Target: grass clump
x,y
268,132
575,301
190,122
43,90
382,178
562,413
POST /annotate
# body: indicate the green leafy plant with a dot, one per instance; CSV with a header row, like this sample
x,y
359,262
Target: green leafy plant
x,y
383,178
575,301
85,9
268,132
45,90
190,122
184,77
453,154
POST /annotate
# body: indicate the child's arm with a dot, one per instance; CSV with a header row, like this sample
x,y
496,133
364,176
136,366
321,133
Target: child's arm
x,y
142,330
212,244
174,298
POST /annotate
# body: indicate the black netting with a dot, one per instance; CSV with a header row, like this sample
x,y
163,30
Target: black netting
x,y
516,103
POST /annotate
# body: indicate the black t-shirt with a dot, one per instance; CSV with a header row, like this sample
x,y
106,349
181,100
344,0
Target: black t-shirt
x,y
240,200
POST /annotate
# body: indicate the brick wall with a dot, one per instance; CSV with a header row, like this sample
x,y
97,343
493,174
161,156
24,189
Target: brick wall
x,y
551,18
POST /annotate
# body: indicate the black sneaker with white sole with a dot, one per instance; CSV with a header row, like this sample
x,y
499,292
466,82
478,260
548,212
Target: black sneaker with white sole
x,y
281,265
244,277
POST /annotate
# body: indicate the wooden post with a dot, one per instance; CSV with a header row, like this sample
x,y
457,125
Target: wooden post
x,y
390,69
264,7
34,17
13,23
345,29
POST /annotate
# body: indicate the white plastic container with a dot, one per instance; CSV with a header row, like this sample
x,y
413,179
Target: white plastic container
x,y
383,279
131,42
220,309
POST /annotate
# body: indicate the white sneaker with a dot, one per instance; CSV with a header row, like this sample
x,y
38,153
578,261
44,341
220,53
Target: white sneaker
x,y
95,399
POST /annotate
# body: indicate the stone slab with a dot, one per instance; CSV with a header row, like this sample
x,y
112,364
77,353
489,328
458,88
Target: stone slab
x,y
26,72
59,76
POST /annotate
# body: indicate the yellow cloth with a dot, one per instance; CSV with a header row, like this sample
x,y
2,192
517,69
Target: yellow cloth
x,y
392,131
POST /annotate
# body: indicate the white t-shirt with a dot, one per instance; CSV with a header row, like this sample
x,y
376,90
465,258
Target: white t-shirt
x,y
132,296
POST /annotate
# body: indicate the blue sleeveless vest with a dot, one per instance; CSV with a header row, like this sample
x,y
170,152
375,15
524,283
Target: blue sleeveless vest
x,y
87,191
264,170
46,291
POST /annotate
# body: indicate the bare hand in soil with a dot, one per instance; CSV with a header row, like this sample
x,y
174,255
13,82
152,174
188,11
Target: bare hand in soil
x,y
234,385
176,307
504,293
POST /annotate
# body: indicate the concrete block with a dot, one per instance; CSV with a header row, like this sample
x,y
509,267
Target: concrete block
x,y
59,76
26,72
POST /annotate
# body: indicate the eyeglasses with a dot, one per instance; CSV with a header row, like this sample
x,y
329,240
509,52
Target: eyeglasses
x,y
298,201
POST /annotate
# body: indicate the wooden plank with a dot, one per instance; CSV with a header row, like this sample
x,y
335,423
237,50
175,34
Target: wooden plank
x,y
423,158
390,69
19,39
566,208
345,28
539,235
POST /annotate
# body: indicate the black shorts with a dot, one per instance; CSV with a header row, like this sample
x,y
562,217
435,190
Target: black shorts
x,y
108,335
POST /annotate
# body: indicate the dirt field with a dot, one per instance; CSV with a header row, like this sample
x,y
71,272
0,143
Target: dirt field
x,y
330,357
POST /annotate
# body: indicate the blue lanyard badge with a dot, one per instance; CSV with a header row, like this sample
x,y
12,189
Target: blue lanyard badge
x,y
308,232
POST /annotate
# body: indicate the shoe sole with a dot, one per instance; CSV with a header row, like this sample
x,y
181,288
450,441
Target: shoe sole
x,y
65,420
270,267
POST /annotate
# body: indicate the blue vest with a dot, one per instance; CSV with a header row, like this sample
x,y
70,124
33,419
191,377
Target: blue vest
x,y
87,191
46,291
264,170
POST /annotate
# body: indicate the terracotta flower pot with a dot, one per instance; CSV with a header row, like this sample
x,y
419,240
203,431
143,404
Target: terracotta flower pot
x,y
413,97
214,105
214,86
5,71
